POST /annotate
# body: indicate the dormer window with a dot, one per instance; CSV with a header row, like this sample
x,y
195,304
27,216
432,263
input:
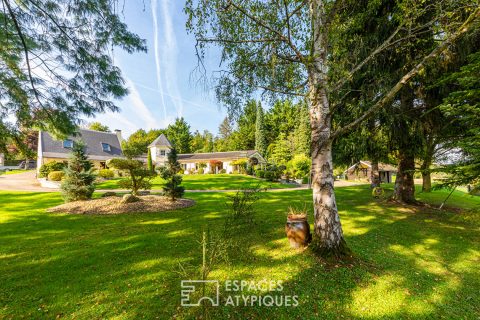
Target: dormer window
x,y
162,152
106,147
68,144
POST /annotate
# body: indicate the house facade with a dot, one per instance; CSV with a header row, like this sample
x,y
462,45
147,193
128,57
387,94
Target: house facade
x,y
100,147
103,146
362,170
209,162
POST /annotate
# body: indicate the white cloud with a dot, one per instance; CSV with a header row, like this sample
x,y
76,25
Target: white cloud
x,y
140,108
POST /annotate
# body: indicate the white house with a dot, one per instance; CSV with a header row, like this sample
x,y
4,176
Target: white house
x,y
100,147
192,162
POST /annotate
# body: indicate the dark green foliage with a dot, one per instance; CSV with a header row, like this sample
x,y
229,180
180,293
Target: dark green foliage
x,y
48,167
179,135
77,183
260,173
56,62
463,105
169,172
97,126
260,131
149,160
138,176
202,142
137,143
243,138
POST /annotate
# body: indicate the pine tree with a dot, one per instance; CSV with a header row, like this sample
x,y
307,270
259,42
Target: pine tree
x,y
169,172
149,160
260,137
301,134
78,181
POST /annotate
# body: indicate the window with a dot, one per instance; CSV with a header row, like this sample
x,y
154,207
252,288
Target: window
x,y
162,152
106,147
68,144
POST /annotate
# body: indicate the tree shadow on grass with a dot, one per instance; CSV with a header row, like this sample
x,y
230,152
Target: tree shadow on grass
x,y
413,264
416,264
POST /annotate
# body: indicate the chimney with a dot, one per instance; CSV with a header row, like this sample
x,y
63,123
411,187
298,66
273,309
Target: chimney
x,y
119,135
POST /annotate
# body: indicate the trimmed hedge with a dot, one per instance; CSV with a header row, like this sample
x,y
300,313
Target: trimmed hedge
x,y
55,175
106,173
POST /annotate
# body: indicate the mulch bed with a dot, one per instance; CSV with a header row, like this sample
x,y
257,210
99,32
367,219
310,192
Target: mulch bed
x,y
113,205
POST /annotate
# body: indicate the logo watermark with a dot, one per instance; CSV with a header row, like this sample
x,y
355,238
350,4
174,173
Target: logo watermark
x,y
267,293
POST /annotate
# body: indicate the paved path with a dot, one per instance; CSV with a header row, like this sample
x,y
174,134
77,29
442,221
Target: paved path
x,y
26,182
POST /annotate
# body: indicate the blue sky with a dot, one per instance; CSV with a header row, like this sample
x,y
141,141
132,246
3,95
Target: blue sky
x,y
160,81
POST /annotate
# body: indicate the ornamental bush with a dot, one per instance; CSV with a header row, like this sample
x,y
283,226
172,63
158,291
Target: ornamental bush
x,y
46,168
169,173
55,176
260,173
138,176
106,173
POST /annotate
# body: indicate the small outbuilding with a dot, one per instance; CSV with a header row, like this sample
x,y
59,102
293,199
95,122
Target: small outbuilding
x,y
362,170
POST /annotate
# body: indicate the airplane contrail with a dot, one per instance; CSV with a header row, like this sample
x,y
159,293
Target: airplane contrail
x,y
157,55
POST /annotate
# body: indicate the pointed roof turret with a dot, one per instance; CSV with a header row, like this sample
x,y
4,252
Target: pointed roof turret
x,y
161,141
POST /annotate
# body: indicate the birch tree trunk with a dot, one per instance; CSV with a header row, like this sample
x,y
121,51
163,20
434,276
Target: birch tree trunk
x,y
328,234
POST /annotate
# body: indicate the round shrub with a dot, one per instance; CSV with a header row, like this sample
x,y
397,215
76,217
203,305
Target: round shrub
x,y
181,171
269,175
223,171
260,173
201,171
109,194
48,167
106,173
55,176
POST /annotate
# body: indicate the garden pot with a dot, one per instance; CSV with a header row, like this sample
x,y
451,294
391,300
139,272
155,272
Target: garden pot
x,y
298,231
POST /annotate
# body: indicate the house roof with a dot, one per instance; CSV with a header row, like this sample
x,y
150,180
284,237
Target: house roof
x,y
161,141
228,155
93,140
381,166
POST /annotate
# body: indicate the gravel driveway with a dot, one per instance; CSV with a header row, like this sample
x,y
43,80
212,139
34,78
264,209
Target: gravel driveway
x,y
21,182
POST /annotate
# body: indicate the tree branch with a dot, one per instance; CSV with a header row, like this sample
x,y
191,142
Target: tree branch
x,y
407,77
262,24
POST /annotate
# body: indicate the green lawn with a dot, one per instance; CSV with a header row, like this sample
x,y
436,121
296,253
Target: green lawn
x,y
208,182
14,171
412,264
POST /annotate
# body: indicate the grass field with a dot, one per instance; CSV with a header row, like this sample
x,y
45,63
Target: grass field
x,y
208,182
411,264
14,171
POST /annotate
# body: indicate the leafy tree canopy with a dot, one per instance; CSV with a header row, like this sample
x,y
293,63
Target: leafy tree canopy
x,y
56,62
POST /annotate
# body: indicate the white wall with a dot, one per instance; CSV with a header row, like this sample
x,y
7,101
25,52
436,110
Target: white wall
x,y
157,158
